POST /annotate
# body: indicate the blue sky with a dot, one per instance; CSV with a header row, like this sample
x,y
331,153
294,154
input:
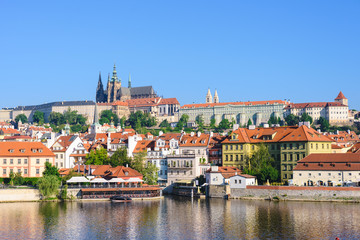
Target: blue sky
x,y
248,50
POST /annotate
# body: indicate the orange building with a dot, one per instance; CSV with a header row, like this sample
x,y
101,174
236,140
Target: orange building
x,y
26,157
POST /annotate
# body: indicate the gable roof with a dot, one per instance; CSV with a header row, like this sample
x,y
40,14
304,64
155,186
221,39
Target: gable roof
x,y
329,162
18,149
340,96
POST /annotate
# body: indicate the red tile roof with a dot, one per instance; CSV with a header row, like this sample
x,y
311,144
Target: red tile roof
x,y
194,141
143,145
120,103
329,162
314,104
207,105
151,101
18,149
340,96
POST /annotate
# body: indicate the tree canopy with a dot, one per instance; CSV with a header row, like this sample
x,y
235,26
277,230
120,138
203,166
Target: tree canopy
x,y
292,120
324,124
164,124
224,124
182,123
50,170
261,165
148,170
48,185
38,117
306,118
76,121
140,120
21,117
107,116
97,157
249,122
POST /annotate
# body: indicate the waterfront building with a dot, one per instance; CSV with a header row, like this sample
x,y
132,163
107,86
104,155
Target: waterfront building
x,y
337,112
287,145
216,175
69,151
192,160
115,91
215,149
258,112
331,169
27,158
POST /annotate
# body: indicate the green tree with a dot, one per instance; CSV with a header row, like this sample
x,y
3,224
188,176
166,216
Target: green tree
x,y
81,120
38,117
98,157
224,124
213,123
70,116
50,170
292,120
273,120
16,178
149,170
120,158
249,122
306,118
76,128
107,116
325,126
164,124
200,121
56,118
261,165
21,117
182,123
48,185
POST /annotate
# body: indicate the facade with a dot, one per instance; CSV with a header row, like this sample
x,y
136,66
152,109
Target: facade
x,y
258,111
69,151
337,112
27,158
115,91
287,145
333,169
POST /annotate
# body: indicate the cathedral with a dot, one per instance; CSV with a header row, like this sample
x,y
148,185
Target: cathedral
x,y
114,91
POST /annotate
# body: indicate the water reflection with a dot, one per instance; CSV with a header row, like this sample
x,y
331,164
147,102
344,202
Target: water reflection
x,y
179,218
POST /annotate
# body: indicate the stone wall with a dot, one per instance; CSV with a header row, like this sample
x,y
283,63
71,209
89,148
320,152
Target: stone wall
x,y
300,193
287,193
19,195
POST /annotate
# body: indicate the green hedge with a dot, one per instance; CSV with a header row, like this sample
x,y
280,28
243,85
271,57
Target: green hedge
x,y
30,181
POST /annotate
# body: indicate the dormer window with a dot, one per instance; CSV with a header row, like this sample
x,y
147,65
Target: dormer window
x,y
22,150
11,150
40,150
34,150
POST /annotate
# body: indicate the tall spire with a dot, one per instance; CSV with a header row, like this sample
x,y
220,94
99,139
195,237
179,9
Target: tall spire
x,y
216,97
96,116
209,97
114,75
100,96
129,81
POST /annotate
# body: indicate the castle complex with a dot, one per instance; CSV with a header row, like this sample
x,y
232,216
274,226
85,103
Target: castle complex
x,y
114,91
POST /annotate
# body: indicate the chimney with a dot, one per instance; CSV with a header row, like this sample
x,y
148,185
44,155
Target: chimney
x,y
214,168
235,127
251,127
160,133
211,134
198,134
266,125
192,134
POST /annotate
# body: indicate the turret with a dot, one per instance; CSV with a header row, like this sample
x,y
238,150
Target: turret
x,y
342,99
216,97
209,97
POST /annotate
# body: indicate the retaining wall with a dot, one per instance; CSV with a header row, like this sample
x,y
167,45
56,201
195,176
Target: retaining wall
x,y
19,195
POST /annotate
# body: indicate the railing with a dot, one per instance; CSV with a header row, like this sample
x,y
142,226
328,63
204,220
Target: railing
x,y
181,156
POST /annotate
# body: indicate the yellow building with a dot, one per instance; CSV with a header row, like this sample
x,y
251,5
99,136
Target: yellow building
x,y
287,145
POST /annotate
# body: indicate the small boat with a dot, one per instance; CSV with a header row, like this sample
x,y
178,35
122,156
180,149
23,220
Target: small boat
x,y
120,199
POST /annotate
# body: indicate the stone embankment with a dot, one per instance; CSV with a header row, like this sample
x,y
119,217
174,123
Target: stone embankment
x,y
290,193
19,195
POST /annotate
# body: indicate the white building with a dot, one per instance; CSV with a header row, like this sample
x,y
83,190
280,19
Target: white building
x,y
328,169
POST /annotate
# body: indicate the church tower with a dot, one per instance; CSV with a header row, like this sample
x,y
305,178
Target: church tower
x,y
342,99
100,95
209,97
216,97
108,88
116,85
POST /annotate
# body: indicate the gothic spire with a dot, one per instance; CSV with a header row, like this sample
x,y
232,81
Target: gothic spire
x,y
96,116
216,97
114,75
209,97
129,81
100,90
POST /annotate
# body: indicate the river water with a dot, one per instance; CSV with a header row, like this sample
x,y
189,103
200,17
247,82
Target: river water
x,y
180,218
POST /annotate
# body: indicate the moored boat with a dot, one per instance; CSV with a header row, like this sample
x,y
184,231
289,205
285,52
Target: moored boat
x,y
120,199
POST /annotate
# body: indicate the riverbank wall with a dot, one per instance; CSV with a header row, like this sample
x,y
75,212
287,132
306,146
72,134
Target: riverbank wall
x,y
19,195
287,193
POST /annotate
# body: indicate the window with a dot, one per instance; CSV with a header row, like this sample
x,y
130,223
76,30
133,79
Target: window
x,y
300,174
319,174
329,174
190,172
237,147
237,158
19,161
61,164
25,171
231,157
25,161
165,172
37,161
226,147
235,181
19,170
226,157
11,171
309,174
4,161
349,173
177,172
4,171
11,161
184,172
231,147
37,171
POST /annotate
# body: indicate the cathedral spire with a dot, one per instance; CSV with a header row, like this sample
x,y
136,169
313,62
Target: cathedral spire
x,y
100,97
209,97
114,75
96,115
129,81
